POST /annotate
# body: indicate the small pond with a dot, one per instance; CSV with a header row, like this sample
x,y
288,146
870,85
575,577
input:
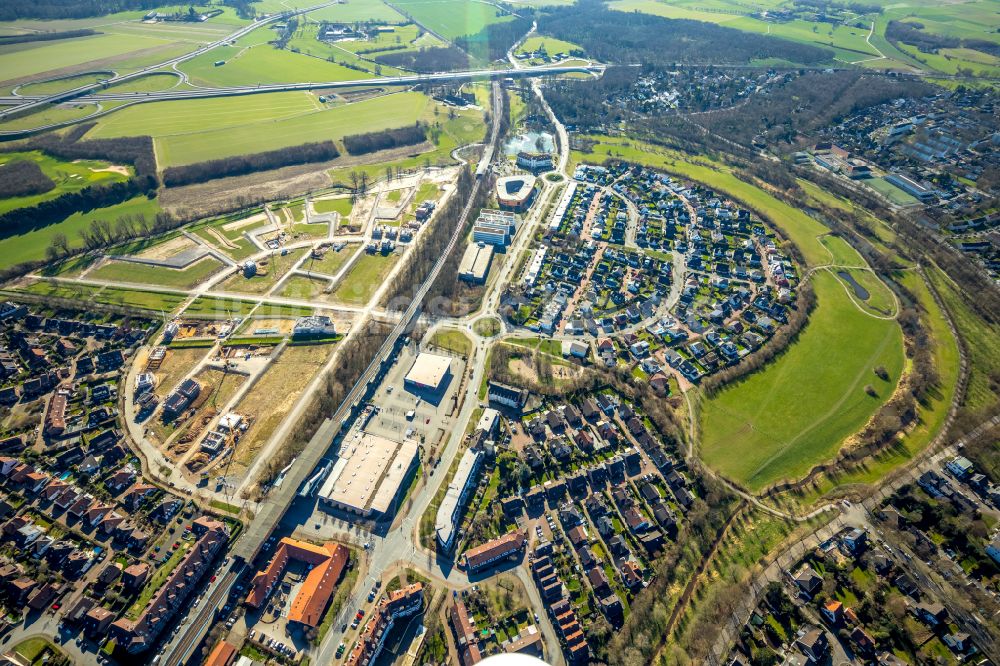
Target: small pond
x,y
859,291
530,142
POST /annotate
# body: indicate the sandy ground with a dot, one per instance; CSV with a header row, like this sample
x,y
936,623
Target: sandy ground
x,y
259,218
169,249
114,168
525,369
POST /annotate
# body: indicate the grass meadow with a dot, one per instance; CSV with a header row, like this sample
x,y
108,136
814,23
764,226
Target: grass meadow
x,y
188,131
453,18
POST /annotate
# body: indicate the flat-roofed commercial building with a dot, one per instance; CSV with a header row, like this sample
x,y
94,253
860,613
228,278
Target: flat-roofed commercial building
x,y
495,227
369,475
516,192
476,263
428,372
449,513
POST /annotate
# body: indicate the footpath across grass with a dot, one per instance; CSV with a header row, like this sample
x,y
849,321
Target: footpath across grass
x,y
780,421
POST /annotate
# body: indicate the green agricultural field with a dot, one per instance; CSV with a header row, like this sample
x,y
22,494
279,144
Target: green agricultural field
x,y
348,11
342,205
59,85
68,177
263,64
17,62
30,245
48,115
453,18
187,278
189,131
364,278
781,421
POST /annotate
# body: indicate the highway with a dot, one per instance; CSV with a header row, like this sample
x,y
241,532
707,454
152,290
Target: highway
x,y
83,90
181,649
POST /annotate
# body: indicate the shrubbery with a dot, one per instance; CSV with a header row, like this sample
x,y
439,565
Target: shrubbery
x,y
22,178
361,144
243,164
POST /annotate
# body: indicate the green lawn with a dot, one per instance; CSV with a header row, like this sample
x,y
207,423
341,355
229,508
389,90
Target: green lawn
x,y
33,648
364,278
156,581
146,300
982,341
331,262
126,271
150,83
795,413
452,340
30,245
300,286
342,205
879,298
488,327
41,57
49,115
59,85
267,276
211,306
68,177
189,131
551,44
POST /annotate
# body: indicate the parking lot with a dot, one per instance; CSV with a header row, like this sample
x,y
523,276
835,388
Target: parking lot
x,y
405,412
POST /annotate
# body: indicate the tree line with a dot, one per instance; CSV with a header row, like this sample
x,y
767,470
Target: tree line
x,y
913,33
644,38
45,36
134,150
361,144
71,9
23,220
492,42
239,165
22,178
427,60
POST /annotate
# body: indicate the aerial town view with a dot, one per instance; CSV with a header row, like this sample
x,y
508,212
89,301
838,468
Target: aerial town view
x,y
522,332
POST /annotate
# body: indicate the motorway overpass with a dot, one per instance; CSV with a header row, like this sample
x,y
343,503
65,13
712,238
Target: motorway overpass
x,y
196,93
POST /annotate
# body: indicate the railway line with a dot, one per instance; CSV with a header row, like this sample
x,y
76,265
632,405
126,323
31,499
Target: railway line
x,y
192,631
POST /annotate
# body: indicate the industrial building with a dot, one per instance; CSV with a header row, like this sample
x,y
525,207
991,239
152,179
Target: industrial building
x,y
476,263
449,514
495,227
429,372
369,475
516,192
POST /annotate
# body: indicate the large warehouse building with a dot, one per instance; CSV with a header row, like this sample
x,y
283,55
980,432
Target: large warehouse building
x,y
476,262
369,475
429,372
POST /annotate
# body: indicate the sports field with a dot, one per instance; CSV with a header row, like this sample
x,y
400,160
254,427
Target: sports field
x,y
781,421
189,131
891,192
453,18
